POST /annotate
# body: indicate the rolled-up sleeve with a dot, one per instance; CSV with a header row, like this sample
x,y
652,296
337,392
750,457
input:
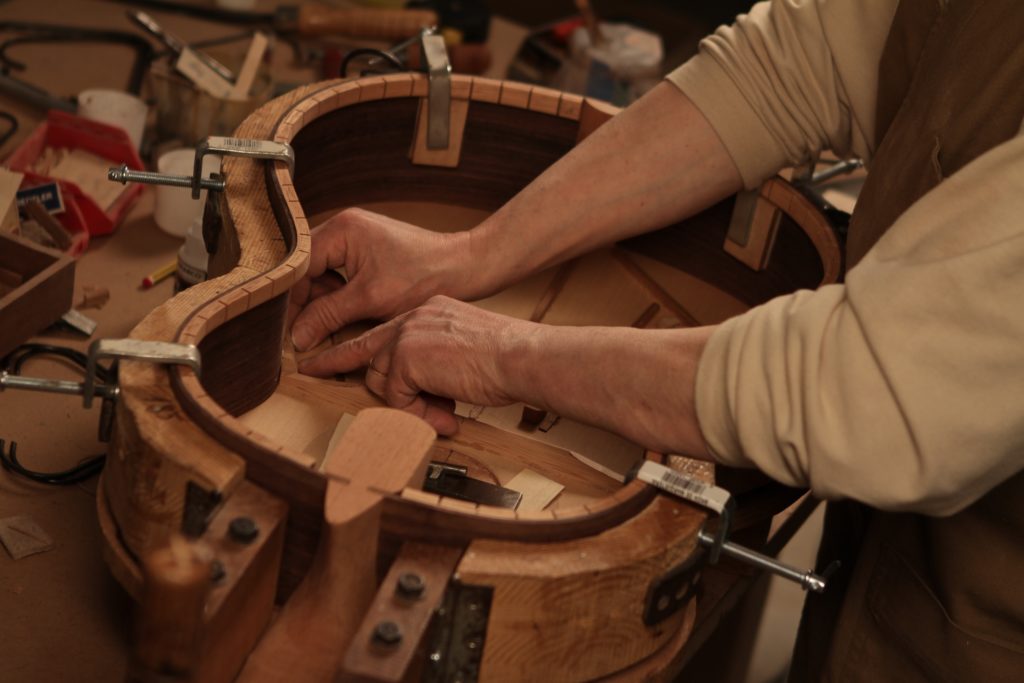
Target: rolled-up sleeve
x,y
789,79
904,387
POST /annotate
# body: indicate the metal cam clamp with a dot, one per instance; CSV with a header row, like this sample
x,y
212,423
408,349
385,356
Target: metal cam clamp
x,y
239,147
165,353
721,501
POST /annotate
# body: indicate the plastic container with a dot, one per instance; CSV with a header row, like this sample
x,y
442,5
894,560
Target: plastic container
x,y
115,108
82,216
175,209
192,258
190,115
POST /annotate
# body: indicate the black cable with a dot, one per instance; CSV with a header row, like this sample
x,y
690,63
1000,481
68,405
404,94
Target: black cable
x,y
90,467
369,51
9,118
85,470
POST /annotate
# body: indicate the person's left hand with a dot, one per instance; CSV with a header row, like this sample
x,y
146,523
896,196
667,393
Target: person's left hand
x,y
444,347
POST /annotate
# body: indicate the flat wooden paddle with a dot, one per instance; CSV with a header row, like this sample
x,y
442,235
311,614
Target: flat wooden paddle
x,y
383,451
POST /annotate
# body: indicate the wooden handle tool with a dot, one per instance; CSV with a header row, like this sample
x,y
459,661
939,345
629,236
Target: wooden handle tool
x,y
363,22
383,451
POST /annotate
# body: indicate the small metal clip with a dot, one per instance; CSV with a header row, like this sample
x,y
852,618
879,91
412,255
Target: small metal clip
x,y
439,93
239,147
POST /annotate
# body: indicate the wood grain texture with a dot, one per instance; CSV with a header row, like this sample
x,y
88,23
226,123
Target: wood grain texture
x,y
42,283
573,610
383,451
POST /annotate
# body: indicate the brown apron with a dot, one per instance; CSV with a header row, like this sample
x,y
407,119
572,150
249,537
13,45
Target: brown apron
x,y
927,598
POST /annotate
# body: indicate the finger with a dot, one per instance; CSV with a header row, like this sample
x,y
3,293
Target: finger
x,y
329,244
437,416
324,315
307,289
352,354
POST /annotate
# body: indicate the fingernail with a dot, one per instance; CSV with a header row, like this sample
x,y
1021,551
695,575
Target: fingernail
x,y
301,337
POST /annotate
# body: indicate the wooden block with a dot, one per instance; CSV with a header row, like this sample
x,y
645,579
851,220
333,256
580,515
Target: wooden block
x,y
421,85
397,85
9,184
593,114
22,537
538,491
339,430
545,100
462,87
247,74
371,89
45,294
569,106
432,565
485,90
449,157
515,95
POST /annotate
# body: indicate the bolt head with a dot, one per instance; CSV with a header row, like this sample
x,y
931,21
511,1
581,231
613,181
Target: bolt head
x,y
387,633
410,585
243,530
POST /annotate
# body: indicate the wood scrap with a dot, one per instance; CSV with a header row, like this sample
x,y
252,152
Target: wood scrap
x,y
60,237
21,536
92,296
538,491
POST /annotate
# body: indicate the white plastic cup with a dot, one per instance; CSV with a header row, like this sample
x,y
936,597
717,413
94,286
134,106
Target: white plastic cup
x,y
175,209
115,108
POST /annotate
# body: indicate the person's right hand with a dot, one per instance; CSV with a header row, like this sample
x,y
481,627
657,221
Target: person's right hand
x,y
391,267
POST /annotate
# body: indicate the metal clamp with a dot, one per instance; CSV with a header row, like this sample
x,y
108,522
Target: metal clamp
x,y
242,147
439,93
239,147
721,501
134,349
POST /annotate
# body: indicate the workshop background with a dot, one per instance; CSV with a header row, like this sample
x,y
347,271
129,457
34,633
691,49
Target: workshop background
x,y
64,618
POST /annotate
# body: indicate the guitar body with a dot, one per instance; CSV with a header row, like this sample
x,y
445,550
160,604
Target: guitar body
x,y
560,588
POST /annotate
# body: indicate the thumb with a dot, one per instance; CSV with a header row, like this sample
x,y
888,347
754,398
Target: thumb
x,y
324,315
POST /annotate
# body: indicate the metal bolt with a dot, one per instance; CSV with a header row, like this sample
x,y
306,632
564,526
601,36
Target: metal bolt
x,y
410,585
126,175
243,530
387,633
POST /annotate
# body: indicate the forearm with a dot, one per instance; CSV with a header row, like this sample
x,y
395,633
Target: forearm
x,y
637,383
654,163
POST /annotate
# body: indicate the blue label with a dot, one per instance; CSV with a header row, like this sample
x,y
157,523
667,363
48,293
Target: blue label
x,y
48,195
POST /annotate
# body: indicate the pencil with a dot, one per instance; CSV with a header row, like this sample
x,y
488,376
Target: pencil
x,y
159,274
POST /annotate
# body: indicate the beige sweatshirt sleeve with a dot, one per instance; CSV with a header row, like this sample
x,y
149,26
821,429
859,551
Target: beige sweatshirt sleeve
x,y
903,388
789,79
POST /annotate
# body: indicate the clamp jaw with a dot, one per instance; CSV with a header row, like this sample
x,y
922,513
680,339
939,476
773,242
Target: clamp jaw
x,y
223,146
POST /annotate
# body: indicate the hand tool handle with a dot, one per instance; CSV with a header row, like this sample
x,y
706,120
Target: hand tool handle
x,y
364,22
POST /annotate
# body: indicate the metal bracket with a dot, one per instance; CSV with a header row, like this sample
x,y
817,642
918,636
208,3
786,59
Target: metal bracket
x,y
134,349
460,631
720,501
439,93
239,147
162,353
669,593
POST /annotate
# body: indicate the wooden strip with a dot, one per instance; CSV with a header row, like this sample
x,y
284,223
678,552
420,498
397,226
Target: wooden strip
x,y
421,155
427,566
538,491
654,289
593,114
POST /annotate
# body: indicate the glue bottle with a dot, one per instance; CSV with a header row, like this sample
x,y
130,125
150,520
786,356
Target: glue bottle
x,y
192,258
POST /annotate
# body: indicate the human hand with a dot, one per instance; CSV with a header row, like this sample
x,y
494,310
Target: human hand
x,y
391,267
445,347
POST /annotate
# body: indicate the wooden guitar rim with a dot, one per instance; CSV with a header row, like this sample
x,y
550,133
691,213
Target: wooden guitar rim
x,y
253,287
